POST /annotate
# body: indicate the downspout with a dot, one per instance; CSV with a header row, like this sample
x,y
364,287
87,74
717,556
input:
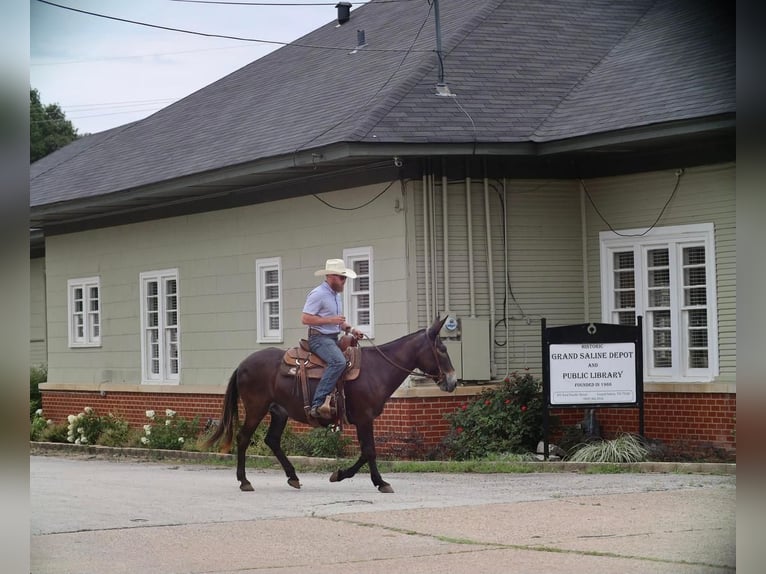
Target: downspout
x,y
490,277
445,235
584,239
432,232
506,279
470,239
426,254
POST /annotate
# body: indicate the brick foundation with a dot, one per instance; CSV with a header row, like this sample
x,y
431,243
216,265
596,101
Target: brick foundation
x,y
413,427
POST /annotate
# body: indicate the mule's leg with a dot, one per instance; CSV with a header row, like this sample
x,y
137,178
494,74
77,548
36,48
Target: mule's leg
x,y
253,418
274,441
366,439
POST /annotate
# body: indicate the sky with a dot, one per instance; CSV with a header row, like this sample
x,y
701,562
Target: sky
x,y
105,73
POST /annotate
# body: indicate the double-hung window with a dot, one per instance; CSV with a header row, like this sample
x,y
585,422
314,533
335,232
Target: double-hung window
x,y
160,344
268,278
84,316
358,293
668,277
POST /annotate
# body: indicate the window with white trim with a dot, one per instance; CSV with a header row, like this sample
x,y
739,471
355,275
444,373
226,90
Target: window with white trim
x,y
358,293
268,279
160,333
668,277
84,312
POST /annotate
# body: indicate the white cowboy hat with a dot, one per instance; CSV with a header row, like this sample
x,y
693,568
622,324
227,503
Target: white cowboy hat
x,y
336,267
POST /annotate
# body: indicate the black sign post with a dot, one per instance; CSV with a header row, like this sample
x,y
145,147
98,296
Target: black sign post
x,y
592,365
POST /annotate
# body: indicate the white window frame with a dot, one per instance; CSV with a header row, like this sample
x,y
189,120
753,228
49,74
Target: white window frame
x,y
264,332
164,331
90,318
674,239
350,296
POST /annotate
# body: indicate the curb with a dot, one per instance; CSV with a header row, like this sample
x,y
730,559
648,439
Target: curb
x,y
68,449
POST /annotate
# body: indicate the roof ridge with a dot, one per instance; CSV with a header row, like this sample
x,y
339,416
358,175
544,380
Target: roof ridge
x,y
534,134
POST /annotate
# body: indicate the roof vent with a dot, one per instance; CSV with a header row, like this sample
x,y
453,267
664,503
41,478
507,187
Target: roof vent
x,y
344,12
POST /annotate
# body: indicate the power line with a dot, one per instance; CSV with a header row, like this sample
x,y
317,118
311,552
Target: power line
x,y
209,35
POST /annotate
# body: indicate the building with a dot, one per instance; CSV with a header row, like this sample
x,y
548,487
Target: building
x,y
569,160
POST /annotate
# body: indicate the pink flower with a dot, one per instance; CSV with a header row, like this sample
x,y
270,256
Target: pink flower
x,y
459,430
487,402
523,408
507,401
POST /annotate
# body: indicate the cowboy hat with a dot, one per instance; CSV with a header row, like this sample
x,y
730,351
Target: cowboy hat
x,y
336,267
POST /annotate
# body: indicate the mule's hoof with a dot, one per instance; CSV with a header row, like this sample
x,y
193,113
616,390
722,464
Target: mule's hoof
x,y
386,488
246,487
335,476
294,482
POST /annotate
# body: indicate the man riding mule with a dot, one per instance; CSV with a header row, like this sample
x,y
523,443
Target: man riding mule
x,y
264,389
323,314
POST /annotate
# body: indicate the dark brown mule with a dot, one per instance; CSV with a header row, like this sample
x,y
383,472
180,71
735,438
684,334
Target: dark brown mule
x,y
263,390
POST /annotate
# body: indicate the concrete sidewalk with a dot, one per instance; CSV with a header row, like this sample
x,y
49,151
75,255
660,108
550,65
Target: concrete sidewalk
x,y
91,515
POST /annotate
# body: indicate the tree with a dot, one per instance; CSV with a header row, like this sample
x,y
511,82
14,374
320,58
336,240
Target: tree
x,y
49,129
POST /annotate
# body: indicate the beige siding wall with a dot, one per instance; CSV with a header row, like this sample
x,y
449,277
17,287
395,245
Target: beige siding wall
x,y
705,195
38,346
544,261
215,255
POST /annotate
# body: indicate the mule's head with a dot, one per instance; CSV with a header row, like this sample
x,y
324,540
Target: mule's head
x,y
438,361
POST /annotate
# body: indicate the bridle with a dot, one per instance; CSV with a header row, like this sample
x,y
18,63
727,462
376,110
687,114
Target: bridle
x,y
432,344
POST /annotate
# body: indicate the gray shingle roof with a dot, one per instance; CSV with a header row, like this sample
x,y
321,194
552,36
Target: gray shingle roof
x,y
522,71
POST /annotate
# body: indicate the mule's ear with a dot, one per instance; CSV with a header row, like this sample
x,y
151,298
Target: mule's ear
x,y
436,328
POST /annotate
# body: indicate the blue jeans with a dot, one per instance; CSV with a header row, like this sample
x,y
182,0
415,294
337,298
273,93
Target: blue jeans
x,y
326,346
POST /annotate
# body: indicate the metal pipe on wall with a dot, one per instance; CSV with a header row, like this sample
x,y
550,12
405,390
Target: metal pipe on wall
x,y
490,276
584,238
445,234
426,257
506,280
469,218
434,292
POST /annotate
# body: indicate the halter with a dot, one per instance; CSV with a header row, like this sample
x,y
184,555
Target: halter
x,y
435,378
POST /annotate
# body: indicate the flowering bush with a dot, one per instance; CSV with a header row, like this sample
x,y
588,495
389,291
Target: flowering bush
x,y
38,426
88,427
169,432
506,419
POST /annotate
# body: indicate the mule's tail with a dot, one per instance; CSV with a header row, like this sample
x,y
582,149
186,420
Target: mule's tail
x,y
229,417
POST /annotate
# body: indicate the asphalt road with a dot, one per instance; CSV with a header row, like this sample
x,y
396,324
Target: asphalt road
x,y
103,516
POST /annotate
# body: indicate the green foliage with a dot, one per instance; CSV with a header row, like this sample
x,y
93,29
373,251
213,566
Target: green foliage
x,y
321,442
625,448
88,427
45,430
49,129
506,419
37,375
169,432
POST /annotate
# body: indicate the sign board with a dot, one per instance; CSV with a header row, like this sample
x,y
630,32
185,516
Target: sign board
x,y
592,365
592,373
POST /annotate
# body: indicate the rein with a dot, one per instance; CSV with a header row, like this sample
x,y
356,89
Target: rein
x,y
435,378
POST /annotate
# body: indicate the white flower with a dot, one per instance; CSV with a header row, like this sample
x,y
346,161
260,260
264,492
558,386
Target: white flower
x,y
150,414
170,413
80,430
148,429
39,412
84,440
49,422
88,410
77,441
144,440
180,439
71,419
167,422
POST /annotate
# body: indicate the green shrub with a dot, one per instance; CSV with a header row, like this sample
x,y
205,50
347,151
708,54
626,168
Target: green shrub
x,y
506,419
169,432
37,375
88,427
322,442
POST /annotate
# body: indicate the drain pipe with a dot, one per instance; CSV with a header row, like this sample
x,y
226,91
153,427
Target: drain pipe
x,y
432,232
584,238
469,218
426,258
506,280
445,235
490,276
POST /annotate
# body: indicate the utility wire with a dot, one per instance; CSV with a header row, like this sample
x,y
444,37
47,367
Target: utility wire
x,y
365,204
208,35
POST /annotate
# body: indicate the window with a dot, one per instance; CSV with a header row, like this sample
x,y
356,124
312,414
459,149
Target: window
x,y
268,278
358,298
160,354
84,317
668,277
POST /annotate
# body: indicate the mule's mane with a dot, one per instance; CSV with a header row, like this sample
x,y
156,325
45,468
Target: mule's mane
x,y
412,335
